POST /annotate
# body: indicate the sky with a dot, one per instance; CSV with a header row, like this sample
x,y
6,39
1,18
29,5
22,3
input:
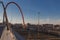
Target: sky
x,y
49,11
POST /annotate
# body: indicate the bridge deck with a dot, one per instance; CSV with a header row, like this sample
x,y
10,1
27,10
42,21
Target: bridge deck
x,y
7,35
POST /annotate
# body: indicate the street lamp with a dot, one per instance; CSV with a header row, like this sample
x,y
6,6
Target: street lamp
x,y
38,17
38,22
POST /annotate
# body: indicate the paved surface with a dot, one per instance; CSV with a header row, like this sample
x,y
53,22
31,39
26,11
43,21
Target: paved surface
x,y
8,35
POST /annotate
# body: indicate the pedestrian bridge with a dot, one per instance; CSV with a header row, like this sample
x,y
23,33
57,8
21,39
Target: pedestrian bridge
x,y
9,33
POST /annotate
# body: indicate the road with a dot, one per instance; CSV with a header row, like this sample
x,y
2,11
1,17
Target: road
x,y
8,35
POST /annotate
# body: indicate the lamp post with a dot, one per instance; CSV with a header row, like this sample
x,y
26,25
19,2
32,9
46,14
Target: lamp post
x,y
38,23
38,20
38,17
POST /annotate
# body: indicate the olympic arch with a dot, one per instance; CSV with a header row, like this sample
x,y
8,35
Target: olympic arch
x,y
3,9
19,10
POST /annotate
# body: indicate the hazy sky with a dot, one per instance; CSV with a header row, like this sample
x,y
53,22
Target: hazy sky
x,y
49,11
